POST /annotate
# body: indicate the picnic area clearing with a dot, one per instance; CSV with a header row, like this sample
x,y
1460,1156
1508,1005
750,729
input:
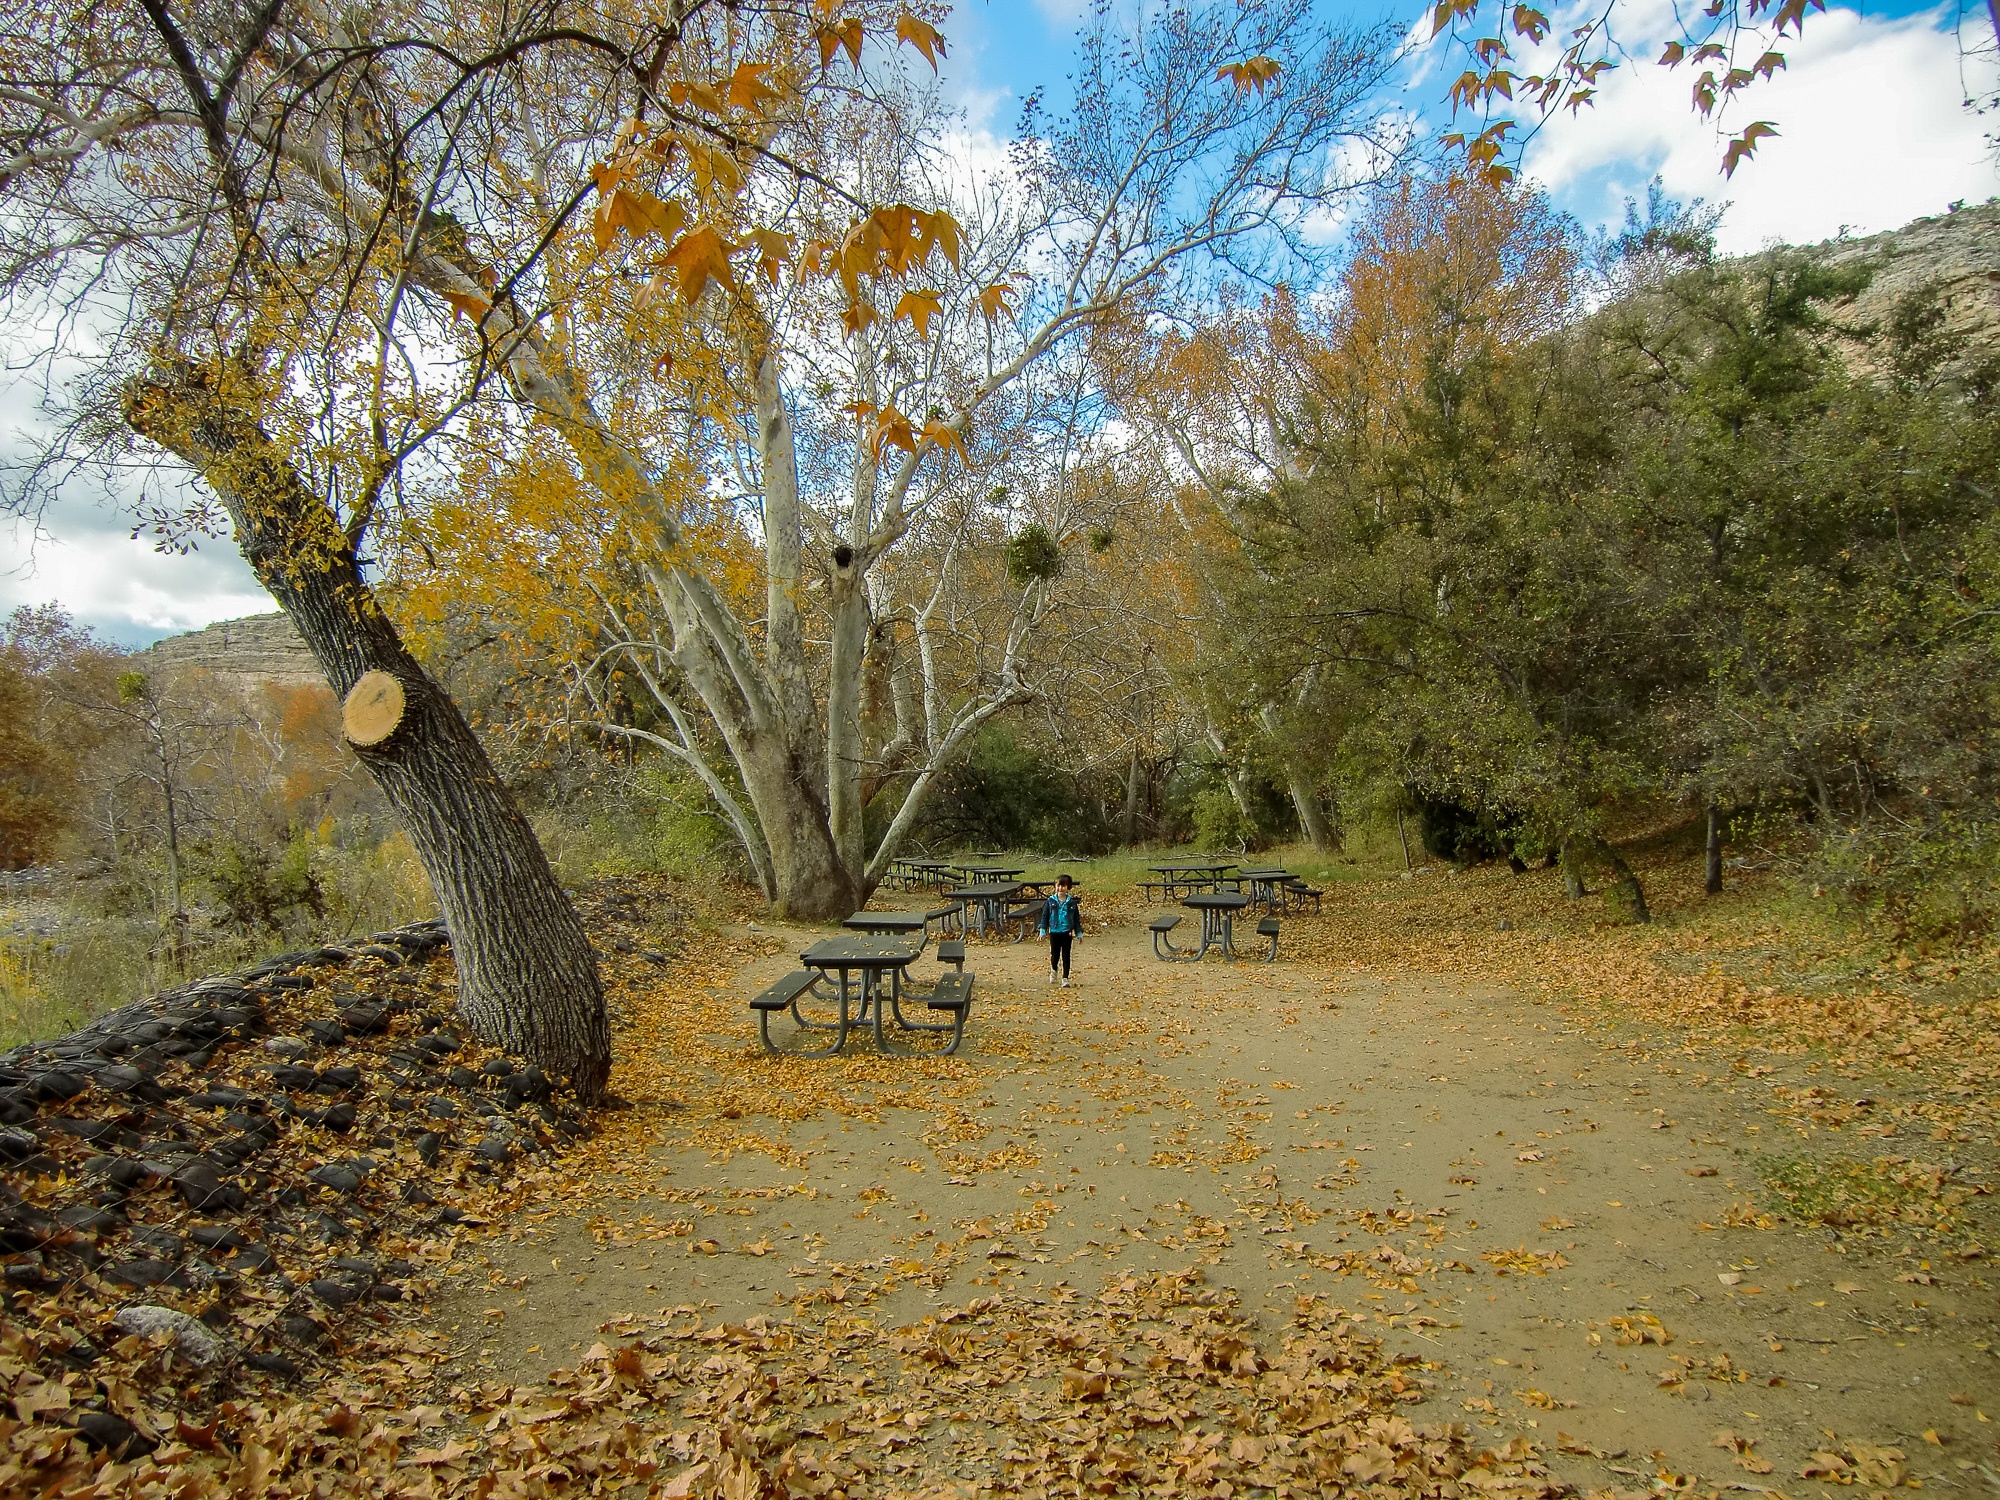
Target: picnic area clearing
x,y
1113,1230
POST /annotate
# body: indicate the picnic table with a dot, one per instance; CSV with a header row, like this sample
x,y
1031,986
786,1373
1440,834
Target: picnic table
x,y
926,872
905,872
987,901
1191,874
873,957
1218,911
1264,884
903,922
995,872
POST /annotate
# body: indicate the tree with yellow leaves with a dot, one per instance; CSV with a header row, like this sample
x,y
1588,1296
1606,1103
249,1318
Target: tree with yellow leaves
x,y
872,391
311,247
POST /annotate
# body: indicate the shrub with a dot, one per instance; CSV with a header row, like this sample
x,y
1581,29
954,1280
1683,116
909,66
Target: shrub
x,y
1220,824
261,889
1009,795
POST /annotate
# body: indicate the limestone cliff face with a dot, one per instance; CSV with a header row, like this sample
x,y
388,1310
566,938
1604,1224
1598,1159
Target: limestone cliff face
x,y
251,654
1958,253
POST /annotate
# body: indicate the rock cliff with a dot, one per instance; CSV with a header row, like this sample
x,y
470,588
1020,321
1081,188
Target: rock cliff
x,y
257,652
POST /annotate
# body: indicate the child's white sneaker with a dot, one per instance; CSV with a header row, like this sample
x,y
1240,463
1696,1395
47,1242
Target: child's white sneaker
x,y
1065,984
1052,976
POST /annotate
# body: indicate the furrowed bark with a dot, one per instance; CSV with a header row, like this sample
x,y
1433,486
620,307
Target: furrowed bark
x,y
527,979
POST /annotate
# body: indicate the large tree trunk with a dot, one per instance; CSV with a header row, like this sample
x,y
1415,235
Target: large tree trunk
x,y
845,740
1624,891
1712,881
1128,825
1570,856
810,882
1319,829
527,979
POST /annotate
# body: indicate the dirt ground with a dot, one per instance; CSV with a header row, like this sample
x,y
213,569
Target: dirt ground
x,y
1558,1216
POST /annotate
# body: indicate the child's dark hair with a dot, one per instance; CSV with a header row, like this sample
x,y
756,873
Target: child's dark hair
x,y
1064,882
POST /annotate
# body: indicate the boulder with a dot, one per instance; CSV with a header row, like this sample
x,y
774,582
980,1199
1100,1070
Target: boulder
x,y
194,1340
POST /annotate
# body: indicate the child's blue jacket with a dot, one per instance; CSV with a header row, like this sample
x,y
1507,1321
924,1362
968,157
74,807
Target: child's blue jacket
x,y
1062,913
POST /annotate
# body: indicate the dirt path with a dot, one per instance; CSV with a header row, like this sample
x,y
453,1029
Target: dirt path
x,y
1557,1221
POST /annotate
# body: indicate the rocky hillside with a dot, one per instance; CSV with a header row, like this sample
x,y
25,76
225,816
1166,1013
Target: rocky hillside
x,y
1958,253
254,653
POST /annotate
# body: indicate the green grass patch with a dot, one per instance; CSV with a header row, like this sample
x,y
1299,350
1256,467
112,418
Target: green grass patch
x,y
1888,1194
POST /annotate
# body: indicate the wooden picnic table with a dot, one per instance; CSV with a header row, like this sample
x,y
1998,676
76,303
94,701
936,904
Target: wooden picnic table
x,y
1218,911
987,901
872,957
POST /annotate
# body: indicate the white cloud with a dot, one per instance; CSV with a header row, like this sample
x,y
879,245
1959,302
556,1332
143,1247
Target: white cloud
x,y
120,587
1873,127
1064,15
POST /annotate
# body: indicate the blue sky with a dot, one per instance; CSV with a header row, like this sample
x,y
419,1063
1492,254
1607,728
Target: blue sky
x,y
1872,129
1873,134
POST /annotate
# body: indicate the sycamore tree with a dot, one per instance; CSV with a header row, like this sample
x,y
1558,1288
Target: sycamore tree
x,y
860,413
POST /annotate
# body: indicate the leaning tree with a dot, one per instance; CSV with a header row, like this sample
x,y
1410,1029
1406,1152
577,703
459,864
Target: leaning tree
x,y
292,248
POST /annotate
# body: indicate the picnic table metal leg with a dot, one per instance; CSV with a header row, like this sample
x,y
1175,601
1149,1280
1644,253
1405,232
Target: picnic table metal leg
x,y
881,1043
956,1026
839,1030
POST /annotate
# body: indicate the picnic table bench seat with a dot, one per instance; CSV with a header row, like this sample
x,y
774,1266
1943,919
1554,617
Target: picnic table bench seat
x,y
1298,891
953,992
953,996
1023,914
785,994
1268,928
952,951
1160,926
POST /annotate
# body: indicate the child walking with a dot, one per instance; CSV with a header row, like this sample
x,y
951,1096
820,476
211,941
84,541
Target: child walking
x,y
1062,923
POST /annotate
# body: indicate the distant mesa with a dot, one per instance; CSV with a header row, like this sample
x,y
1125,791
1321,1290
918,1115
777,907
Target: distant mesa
x,y
254,653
